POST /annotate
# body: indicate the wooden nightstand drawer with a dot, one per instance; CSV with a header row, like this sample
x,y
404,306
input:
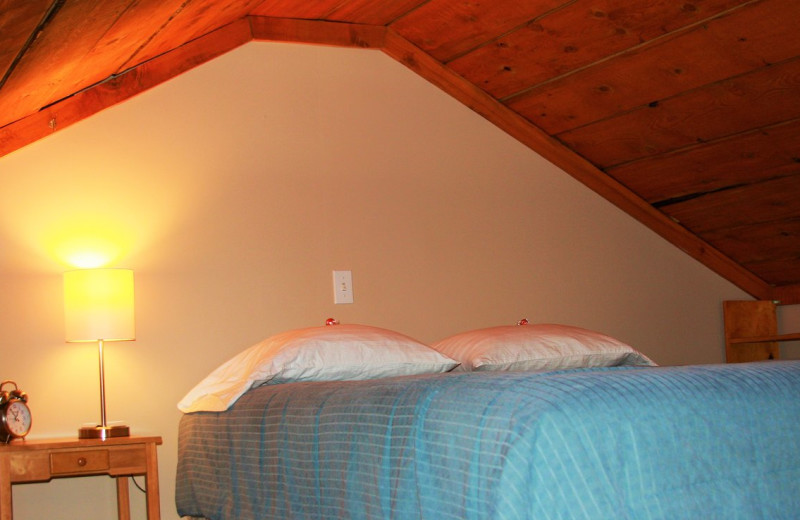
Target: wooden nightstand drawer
x,y
78,461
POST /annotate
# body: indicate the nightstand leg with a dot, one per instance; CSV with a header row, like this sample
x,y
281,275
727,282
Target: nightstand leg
x,y
153,498
123,499
6,507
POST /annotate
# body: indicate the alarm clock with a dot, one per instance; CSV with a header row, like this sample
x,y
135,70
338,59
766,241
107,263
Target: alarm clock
x,y
15,416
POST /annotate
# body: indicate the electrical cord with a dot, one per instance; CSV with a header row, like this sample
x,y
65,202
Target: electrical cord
x,y
140,488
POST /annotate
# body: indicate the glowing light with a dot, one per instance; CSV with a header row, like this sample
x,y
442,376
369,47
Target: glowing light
x,y
88,197
87,260
98,305
87,249
85,221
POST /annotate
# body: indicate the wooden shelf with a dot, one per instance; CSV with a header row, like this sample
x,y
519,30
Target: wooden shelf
x,y
795,336
751,331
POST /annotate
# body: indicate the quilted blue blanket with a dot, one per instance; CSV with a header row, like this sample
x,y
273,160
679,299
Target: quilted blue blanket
x,y
710,442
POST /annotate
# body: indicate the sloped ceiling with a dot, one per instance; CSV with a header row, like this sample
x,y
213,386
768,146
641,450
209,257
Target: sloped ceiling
x,y
686,114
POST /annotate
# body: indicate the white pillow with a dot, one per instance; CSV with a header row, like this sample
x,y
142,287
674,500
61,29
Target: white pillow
x,y
529,347
329,353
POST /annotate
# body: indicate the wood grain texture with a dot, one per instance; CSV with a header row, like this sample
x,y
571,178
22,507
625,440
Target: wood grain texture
x,y
741,41
372,12
785,271
760,241
761,98
704,168
575,36
193,19
317,32
316,10
74,23
445,29
18,26
759,203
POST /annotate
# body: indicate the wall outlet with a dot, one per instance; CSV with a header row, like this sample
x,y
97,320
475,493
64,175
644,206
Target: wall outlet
x,y
342,287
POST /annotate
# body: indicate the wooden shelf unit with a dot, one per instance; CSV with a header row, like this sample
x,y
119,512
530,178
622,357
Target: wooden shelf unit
x,y
751,331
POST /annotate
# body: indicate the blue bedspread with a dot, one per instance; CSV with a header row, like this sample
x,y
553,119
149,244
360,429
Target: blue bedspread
x,y
710,442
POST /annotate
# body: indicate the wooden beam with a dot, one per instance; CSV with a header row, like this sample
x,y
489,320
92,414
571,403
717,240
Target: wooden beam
x,y
521,129
146,75
317,32
122,86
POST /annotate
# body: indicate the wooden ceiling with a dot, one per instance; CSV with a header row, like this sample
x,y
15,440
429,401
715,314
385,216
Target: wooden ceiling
x,y
685,114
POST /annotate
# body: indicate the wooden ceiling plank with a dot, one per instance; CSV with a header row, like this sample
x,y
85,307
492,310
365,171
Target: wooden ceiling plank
x,y
765,97
782,271
316,10
79,22
758,242
577,35
479,101
747,158
195,19
18,23
785,295
113,51
317,32
446,29
764,202
122,87
734,44
100,50
140,23
373,12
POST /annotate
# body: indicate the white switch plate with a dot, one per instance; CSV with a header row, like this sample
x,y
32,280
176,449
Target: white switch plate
x,y
342,287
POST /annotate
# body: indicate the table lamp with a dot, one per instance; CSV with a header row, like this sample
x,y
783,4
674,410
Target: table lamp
x,y
98,306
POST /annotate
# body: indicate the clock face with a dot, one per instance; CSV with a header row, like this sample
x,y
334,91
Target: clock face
x,y
18,418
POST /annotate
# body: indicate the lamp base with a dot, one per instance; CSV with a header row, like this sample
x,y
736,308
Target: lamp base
x,y
103,432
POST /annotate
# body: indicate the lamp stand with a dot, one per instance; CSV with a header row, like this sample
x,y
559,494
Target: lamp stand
x,y
103,430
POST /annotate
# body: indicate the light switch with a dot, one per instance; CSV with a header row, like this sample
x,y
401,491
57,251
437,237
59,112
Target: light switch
x,y
342,287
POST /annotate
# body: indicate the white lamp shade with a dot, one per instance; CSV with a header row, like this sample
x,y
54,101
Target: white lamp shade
x,y
98,305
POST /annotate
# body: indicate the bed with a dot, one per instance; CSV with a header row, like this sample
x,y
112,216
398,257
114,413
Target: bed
x,y
583,438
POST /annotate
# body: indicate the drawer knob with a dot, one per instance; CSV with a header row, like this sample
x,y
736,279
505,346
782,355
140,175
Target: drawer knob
x,y
81,461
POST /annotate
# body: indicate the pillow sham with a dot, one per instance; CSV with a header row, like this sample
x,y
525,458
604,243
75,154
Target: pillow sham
x,y
537,347
328,353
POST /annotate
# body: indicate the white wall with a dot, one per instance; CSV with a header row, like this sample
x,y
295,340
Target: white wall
x,y
234,190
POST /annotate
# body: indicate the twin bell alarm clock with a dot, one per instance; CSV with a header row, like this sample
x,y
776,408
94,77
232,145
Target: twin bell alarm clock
x,y
15,416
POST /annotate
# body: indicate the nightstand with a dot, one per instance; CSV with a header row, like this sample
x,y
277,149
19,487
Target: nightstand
x,y
41,460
